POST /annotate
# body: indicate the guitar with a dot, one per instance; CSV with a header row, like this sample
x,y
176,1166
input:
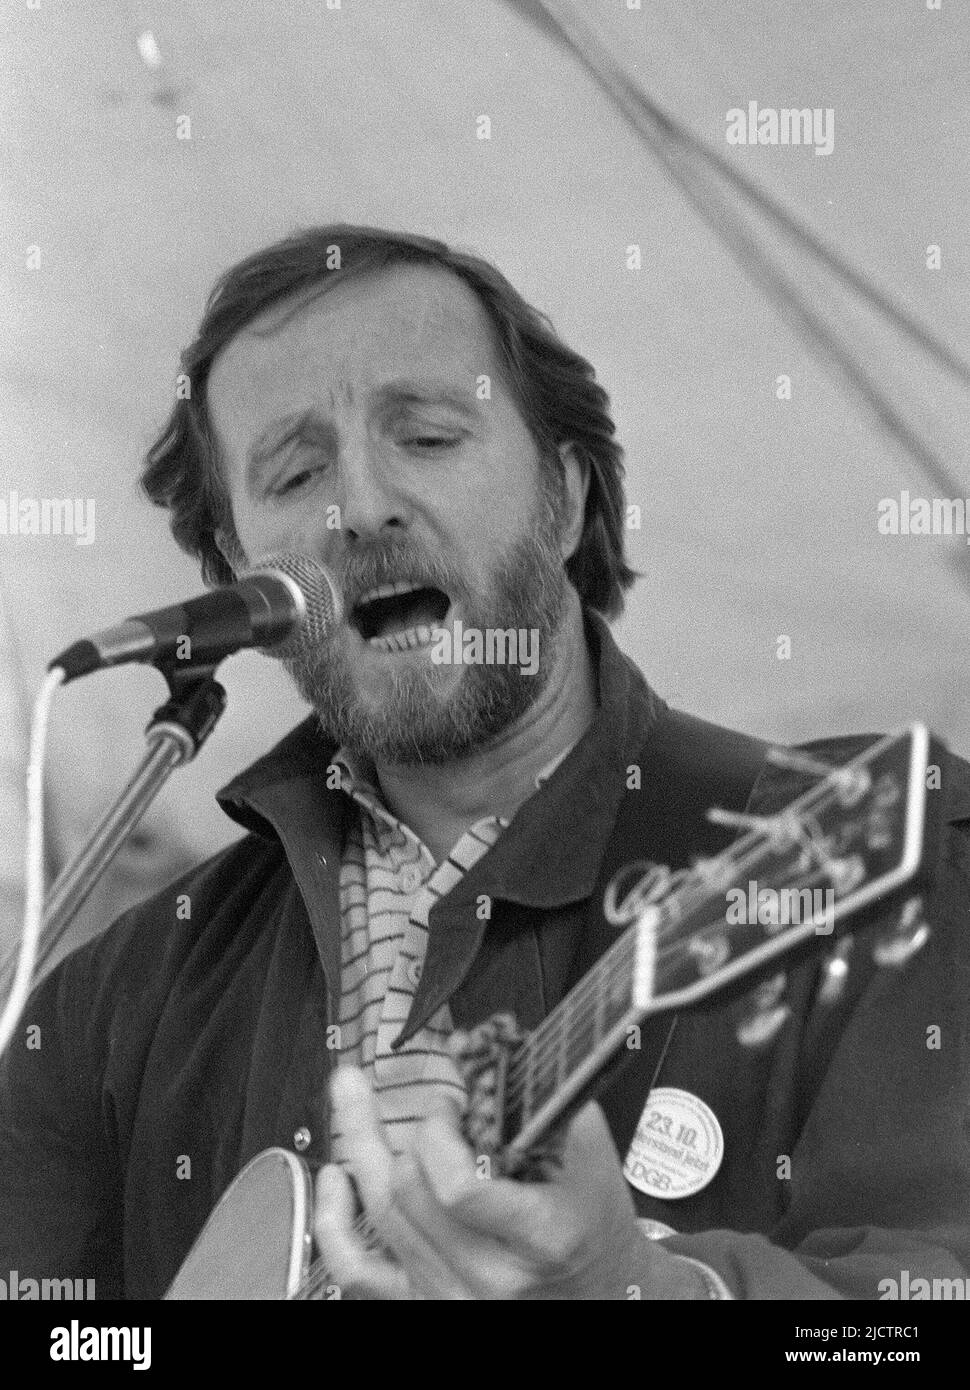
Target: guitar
x,y
863,835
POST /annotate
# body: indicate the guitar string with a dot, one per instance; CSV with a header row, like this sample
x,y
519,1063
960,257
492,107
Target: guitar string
x,y
545,1043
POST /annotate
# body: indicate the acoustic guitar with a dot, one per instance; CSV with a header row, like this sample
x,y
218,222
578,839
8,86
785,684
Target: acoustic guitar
x,y
864,836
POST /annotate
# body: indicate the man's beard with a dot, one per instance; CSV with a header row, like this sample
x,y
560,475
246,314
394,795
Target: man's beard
x,y
418,721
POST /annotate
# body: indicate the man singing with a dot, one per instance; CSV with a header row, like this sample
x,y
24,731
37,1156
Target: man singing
x,y
432,846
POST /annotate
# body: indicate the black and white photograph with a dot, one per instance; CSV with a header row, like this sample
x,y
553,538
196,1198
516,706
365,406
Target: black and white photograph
x,y
484,571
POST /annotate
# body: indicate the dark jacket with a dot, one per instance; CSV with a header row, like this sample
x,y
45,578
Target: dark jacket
x,y
194,1032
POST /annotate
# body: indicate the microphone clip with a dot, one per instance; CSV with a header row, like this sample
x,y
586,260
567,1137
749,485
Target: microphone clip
x,y
196,703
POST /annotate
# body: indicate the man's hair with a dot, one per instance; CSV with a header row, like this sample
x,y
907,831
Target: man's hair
x,y
555,390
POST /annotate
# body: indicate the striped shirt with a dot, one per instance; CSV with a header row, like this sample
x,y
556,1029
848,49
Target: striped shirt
x,y
388,885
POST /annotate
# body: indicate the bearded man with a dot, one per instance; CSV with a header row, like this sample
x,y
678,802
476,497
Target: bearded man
x,y
432,847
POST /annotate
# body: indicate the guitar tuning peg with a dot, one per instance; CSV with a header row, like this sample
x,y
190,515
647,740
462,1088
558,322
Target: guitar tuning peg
x,y
836,972
851,783
710,953
767,1013
846,873
879,830
895,946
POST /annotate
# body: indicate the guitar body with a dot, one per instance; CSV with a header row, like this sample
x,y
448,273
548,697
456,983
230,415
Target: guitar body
x,y
256,1244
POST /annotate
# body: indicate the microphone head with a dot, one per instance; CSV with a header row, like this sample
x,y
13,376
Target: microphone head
x,y
322,608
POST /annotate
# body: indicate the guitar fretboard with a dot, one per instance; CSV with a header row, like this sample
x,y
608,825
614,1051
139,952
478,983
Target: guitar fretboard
x,y
542,1067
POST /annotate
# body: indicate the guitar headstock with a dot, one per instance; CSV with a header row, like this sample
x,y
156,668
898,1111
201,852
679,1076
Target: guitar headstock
x,y
798,879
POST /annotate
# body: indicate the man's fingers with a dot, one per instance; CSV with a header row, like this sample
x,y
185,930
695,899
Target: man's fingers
x,y
589,1148
474,1220
352,1270
457,1256
588,1137
358,1119
380,1178
447,1163
523,1215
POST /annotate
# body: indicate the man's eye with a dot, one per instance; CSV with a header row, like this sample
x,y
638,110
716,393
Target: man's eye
x,y
432,441
295,481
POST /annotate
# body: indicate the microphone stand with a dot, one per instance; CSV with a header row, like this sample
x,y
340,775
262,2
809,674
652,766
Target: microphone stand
x,y
177,731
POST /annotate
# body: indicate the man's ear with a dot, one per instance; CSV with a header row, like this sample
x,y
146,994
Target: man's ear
x,y
575,471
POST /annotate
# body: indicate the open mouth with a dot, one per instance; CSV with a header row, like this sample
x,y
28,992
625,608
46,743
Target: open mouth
x,y
399,617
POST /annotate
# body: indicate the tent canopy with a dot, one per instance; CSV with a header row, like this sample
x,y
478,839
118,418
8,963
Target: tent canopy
x,y
758,515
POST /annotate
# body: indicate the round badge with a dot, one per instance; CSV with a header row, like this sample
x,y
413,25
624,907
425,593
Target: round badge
x,y
677,1148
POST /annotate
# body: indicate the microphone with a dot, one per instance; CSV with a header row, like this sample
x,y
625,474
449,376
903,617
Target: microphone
x,y
282,605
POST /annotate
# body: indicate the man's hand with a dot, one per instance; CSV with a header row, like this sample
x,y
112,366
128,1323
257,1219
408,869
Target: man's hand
x,y
449,1232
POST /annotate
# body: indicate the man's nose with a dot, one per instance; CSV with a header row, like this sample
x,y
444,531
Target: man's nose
x,y
370,503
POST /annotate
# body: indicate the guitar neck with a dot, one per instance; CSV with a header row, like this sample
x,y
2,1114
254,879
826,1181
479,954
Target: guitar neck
x,y
552,1070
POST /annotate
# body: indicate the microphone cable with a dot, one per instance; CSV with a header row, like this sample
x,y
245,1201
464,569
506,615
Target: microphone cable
x,y
34,860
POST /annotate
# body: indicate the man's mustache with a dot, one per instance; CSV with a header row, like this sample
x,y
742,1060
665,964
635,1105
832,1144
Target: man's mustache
x,y
360,573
